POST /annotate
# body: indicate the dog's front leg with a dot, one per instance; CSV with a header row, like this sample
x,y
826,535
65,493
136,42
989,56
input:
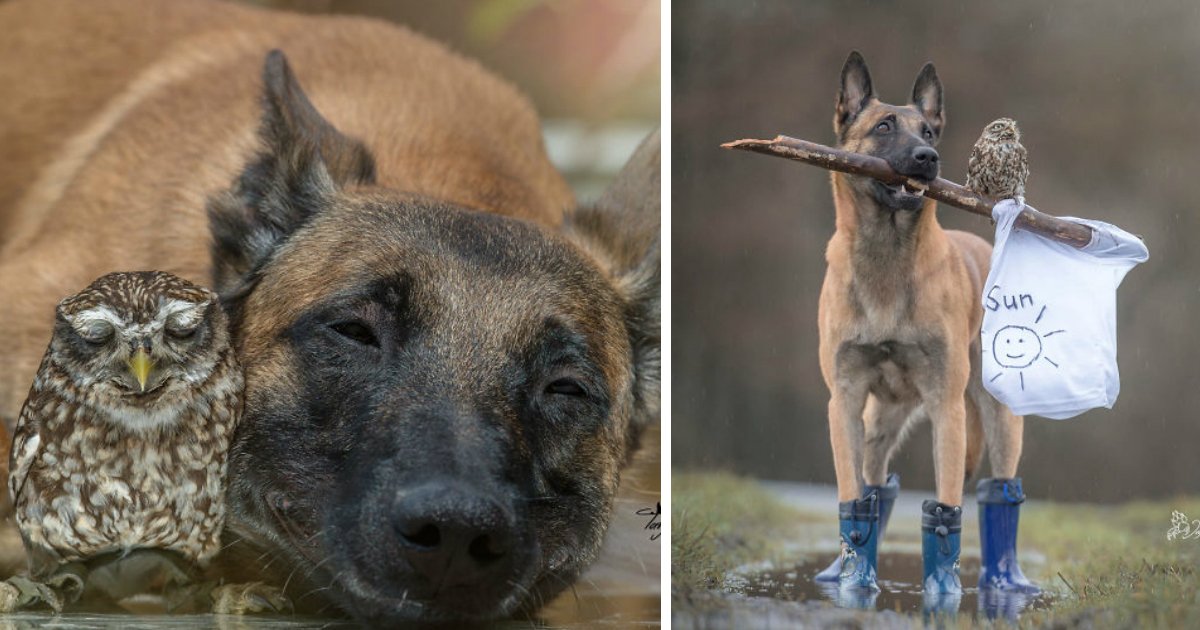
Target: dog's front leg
x,y
941,520
949,448
858,518
846,405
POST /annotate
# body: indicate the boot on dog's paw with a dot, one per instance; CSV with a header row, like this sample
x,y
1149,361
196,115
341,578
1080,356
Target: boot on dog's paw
x,y
999,514
852,598
858,572
859,529
887,494
941,534
249,598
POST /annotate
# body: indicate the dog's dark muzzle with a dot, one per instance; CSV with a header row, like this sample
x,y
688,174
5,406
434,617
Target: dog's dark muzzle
x,y
921,164
434,548
454,536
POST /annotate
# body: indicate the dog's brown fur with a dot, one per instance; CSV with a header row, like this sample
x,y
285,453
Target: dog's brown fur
x,y
83,110
900,310
386,180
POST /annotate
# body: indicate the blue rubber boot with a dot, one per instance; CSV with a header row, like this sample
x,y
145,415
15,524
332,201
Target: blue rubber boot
x,y
999,511
859,526
887,494
941,538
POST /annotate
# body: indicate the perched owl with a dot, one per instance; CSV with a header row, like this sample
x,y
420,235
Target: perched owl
x,y
122,441
999,165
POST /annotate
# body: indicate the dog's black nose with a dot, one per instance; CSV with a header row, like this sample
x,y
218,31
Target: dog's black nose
x,y
454,535
925,155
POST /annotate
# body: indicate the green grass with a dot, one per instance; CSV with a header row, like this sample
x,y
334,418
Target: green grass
x,y
1117,561
1113,565
719,521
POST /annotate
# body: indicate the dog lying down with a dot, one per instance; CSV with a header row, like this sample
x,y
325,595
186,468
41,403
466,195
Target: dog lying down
x,y
447,361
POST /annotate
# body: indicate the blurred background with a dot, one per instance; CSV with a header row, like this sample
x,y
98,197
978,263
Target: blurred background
x,y
1107,94
591,68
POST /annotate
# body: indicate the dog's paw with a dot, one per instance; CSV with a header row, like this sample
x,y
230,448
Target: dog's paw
x,y
248,599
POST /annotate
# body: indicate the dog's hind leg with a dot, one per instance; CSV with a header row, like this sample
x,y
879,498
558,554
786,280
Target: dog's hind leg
x,y
886,423
1003,433
1000,498
975,438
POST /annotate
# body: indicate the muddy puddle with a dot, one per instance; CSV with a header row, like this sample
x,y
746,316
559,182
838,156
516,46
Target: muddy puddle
x,y
900,590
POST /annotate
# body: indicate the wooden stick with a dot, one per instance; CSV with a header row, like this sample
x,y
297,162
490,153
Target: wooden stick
x,y
943,190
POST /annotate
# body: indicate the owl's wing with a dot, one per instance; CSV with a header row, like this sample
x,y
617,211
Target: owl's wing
x,y
26,441
1022,165
974,164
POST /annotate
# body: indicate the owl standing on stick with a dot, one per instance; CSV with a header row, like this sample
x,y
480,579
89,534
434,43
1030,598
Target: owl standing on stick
x,y
999,164
122,442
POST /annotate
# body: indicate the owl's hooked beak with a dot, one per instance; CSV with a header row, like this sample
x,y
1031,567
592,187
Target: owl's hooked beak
x,y
140,365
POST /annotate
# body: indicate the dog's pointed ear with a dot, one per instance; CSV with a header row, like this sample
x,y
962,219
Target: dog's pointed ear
x,y
303,163
854,95
621,232
927,97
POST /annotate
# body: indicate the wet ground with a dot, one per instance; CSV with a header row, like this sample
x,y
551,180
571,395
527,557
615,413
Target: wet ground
x,y
900,590
781,592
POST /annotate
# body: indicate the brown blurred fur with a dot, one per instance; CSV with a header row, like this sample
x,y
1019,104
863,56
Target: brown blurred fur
x,y
83,112
899,315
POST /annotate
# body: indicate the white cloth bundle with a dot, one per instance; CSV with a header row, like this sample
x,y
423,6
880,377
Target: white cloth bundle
x,y
1049,317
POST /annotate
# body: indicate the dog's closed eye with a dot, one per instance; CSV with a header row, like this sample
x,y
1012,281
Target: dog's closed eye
x,y
357,332
566,387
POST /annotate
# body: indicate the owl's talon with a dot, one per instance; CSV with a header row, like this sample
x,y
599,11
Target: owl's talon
x,y
249,598
9,597
21,593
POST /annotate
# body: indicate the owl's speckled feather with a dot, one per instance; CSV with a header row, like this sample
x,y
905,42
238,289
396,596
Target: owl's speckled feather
x,y
99,465
999,164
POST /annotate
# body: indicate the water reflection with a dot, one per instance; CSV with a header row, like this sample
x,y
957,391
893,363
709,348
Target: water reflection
x,y
900,591
857,598
995,604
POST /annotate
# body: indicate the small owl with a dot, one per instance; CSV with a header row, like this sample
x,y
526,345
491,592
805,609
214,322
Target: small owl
x,y
999,165
122,441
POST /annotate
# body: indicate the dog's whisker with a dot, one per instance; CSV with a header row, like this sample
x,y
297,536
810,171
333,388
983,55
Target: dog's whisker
x,y
543,498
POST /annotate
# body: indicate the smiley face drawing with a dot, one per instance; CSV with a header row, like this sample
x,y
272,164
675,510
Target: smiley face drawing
x,y
1016,347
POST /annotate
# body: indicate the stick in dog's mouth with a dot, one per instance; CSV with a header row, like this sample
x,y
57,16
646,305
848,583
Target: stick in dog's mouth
x,y
914,187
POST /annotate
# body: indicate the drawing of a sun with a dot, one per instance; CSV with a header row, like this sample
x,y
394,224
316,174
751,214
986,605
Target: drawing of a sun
x,y
1017,347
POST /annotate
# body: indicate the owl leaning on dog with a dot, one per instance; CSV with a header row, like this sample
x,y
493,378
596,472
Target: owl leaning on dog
x,y
122,442
999,164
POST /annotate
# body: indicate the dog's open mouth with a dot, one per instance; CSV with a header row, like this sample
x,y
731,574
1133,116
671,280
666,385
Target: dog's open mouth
x,y
907,196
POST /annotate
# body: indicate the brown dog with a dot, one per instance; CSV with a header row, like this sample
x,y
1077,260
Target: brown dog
x,y
446,366
900,307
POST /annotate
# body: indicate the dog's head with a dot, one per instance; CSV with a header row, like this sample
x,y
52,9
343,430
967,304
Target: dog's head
x,y
905,136
438,400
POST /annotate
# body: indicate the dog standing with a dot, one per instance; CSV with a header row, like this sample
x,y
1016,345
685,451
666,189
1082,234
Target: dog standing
x,y
447,362
899,321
